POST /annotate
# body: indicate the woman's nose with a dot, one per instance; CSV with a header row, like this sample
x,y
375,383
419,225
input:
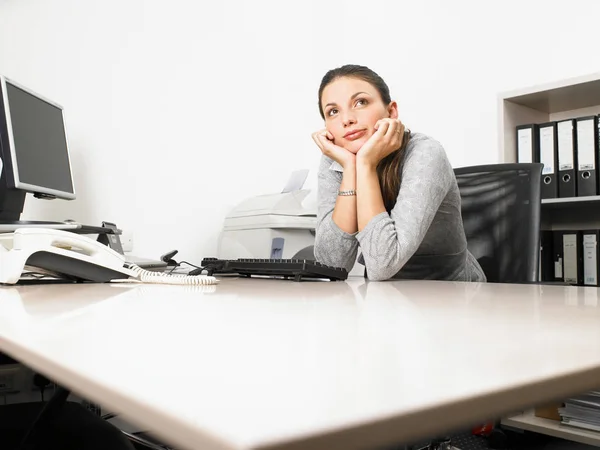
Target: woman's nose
x,y
348,120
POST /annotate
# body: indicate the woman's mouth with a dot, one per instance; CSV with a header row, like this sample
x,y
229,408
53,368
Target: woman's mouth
x,y
353,135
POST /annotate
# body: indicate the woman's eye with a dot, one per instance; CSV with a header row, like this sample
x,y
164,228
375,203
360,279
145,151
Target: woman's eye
x,y
332,111
361,102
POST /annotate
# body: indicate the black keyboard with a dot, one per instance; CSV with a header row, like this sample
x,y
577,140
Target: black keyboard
x,y
288,268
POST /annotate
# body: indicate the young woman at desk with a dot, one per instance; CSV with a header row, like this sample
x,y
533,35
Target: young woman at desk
x,y
385,189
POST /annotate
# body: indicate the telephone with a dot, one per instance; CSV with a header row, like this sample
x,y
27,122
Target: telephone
x,y
62,254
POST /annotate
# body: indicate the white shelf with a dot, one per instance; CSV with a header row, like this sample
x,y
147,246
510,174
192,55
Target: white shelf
x,y
529,422
565,95
566,201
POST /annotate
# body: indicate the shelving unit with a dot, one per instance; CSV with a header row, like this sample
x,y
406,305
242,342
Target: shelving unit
x,y
574,97
564,99
529,422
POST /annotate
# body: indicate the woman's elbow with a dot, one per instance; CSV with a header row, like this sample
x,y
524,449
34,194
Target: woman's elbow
x,y
335,257
384,265
380,273
339,261
323,254
383,269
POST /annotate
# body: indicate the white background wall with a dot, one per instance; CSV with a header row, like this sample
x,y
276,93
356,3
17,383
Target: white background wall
x,y
179,109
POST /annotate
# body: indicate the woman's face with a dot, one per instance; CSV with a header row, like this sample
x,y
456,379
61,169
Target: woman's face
x,y
352,107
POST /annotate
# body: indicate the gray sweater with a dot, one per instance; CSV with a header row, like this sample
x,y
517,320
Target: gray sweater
x,y
423,236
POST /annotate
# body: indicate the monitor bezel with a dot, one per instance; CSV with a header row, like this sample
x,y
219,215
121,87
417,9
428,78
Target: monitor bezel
x,y
18,184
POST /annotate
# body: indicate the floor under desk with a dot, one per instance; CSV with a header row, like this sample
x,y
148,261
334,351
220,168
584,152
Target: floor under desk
x,y
467,441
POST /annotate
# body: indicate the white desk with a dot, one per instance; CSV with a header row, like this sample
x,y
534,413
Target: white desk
x,y
278,364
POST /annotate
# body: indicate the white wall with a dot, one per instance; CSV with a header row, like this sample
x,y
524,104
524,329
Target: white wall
x,y
177,110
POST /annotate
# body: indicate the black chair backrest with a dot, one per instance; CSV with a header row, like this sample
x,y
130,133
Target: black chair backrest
x,y
501,207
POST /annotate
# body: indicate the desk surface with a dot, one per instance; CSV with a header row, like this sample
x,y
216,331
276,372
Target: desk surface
x,y
278,364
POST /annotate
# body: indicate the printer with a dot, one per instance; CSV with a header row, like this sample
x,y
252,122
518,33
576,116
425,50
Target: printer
x,y
272,226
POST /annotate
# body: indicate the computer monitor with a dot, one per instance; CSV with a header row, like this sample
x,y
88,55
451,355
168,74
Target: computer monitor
x,y
34,150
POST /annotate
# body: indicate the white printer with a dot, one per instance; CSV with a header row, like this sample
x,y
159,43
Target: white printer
x,y
271,226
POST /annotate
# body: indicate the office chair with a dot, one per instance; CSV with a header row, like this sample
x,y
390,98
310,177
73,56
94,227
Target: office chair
x,y
501,212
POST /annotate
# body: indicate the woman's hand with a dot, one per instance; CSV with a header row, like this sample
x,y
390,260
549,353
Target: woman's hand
x,y
324,139
386,139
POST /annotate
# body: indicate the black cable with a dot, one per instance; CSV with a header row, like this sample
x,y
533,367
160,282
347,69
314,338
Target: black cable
x,y
168,258
190,264
196,271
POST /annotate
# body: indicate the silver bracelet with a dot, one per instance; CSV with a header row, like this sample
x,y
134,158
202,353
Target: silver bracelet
x,y
350,192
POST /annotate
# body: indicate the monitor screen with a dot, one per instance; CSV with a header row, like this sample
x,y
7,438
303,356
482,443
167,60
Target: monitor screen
x,y
38,141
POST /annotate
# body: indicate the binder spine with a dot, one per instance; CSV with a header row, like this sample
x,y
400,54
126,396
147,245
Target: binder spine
x,y
567,158
590,250
586,152
528,149
548,144
557,255
572,262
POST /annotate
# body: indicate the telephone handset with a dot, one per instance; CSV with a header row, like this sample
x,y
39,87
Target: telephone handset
x,y
74,256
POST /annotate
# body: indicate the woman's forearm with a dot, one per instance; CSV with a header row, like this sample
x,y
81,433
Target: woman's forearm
x,y
344,212
369,201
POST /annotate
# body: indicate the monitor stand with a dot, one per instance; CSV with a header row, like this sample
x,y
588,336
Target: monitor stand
x,y
12,202
11,207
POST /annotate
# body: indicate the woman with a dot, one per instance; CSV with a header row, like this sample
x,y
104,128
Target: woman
x,y
385,189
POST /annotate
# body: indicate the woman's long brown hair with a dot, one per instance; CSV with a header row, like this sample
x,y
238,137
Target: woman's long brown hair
x,y
389,169
389,172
